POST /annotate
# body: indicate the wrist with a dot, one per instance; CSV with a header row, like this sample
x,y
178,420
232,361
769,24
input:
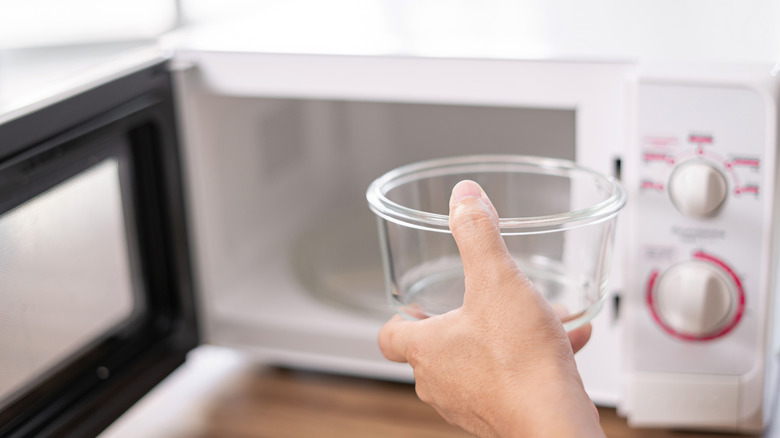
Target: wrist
x,y
528,409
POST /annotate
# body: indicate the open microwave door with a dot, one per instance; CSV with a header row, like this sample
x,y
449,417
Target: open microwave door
x,y
96,293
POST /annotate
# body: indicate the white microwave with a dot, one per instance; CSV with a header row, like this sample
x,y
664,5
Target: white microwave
x,y
226,190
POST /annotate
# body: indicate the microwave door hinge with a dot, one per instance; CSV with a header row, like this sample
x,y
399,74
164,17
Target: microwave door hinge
x,y
178,65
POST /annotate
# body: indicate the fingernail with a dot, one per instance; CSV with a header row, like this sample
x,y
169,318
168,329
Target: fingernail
x,y
465,189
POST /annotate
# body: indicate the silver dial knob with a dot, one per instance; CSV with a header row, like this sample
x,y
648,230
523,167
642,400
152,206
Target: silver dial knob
x,y
697,189
695,299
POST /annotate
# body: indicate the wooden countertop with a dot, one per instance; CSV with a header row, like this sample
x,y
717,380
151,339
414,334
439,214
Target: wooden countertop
x,y
232,398
276,403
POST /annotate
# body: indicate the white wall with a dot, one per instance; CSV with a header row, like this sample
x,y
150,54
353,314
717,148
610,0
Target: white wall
x,y
653,30
32,23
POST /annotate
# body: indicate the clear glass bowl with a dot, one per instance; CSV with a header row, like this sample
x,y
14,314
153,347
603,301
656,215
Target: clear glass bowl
x,y
557,218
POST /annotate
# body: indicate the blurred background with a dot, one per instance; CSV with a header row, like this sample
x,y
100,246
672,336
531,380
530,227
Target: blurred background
x,y
692,30
75,35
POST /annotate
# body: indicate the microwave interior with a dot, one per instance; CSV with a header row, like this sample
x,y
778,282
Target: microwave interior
x,y
151,213
288,254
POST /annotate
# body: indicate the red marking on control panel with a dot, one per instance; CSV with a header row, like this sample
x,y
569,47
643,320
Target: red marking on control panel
x,y
740,312
659,141
650,299
701,255
700,139
652,185
746,189
651,156
748,162
655,157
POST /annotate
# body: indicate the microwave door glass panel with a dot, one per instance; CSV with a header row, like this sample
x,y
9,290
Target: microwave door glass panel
x,y
65,276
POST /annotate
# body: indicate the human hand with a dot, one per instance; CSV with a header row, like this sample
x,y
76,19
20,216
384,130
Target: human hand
x,y
501,365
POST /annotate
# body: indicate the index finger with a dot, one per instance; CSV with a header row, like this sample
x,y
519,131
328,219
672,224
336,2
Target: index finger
x,y
395,337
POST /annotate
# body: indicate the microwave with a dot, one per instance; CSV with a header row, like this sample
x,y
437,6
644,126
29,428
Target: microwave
x,y
168,199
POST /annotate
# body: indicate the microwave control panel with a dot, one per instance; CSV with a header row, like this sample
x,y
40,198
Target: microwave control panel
x,y
699,228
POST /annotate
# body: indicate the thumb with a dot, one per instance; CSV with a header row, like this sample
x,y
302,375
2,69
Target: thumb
x,y
474,225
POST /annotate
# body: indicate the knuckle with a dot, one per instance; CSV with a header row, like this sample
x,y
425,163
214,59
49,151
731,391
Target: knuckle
x,y
518,279
472,219
414,355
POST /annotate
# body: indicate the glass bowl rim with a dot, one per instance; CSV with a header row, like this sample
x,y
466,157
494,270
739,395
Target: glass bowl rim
x,y
410,217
